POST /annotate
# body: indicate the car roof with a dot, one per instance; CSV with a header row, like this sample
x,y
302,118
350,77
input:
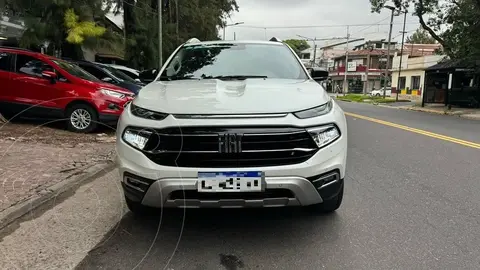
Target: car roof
x,y
27,52
212,42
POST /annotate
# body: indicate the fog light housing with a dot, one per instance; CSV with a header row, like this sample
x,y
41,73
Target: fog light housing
x,y
113,106
325,180
324,135
136,184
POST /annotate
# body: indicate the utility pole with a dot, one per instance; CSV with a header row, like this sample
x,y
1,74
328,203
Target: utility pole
x,y
345,83
401,54
388,52
365,85
160,34
176,13
234,35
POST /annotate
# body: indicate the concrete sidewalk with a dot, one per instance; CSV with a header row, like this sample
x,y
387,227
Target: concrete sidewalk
x,y
36,160
473,114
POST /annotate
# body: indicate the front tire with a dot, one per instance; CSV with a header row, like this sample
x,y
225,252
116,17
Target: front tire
x,y
378,95
330,205
82,118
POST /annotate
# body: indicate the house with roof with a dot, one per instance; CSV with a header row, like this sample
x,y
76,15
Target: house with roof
x,y
409,80
366,67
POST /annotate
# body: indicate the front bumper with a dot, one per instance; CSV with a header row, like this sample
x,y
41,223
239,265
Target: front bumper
x,y
107,118
165,193
154,185
159,182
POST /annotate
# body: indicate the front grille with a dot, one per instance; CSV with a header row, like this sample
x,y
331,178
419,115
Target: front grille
x,y
201,147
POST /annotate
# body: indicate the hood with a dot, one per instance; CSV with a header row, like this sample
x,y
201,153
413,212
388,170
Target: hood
x,y
132,87
106,85
231,96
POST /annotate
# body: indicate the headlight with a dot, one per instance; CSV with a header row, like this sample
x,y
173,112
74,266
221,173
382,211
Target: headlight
x,y
112,93
147,114
137,138
314,112
324,135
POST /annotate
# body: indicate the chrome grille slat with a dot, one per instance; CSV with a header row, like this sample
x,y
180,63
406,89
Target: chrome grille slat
x,y
202,147
228,116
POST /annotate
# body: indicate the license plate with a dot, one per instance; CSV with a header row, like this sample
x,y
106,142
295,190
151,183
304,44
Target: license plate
x,y
230,181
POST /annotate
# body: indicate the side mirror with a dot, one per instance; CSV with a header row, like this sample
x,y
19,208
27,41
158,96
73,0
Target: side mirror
x,y
318,74
107,79
49,75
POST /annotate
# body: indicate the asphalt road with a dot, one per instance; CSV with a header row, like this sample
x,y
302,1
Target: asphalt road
x,y
412,202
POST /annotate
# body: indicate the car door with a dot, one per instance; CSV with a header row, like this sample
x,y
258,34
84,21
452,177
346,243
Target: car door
x,y
7,93
38,97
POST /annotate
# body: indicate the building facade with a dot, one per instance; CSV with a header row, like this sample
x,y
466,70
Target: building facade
x,y
366,67
410,79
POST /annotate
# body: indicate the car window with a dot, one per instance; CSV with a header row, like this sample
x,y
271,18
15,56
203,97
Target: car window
x,y
129,74
32,66
75,70
98,73
120,74
212,60
6,61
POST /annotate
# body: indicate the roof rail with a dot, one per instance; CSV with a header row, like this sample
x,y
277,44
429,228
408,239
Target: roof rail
x,y
274,39
15,48
193,40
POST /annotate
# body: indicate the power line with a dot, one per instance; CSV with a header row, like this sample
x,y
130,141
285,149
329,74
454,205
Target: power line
x,y
368,27
315,26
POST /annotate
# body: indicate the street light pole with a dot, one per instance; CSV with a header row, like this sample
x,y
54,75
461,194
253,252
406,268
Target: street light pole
x,y
345,83
365,85
401,53
160,34
388,51
225,27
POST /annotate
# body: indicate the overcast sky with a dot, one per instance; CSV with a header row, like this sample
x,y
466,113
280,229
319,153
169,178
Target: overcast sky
x,y
291,13
260,14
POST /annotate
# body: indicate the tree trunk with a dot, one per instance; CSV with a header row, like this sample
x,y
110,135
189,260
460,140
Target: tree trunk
x,y
420,13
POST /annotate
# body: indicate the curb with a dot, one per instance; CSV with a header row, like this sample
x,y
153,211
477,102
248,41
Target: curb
x,y
466,115
19,210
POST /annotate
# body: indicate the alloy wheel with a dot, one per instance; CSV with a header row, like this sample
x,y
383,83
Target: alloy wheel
x,y
80,119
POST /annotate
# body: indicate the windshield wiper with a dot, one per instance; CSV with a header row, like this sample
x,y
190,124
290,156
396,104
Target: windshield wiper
x,y
176,78
235,77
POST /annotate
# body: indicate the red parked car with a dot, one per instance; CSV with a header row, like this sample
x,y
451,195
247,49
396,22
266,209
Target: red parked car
x,y
40,86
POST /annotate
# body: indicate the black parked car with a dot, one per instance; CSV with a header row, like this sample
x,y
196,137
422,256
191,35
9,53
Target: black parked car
x,y
111,75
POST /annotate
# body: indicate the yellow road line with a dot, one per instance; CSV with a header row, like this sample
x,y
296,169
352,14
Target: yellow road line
x,y
418,131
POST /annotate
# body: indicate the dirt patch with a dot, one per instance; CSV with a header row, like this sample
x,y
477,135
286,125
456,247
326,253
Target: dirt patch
x,y
35,156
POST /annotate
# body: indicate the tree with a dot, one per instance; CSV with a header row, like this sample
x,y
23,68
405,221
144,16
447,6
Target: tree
x,y
297,45
455,24
197,18
64,25
421,36
78,31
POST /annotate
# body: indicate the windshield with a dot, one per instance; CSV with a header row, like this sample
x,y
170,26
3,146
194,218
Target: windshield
x,y
120,75
226,60
75,70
